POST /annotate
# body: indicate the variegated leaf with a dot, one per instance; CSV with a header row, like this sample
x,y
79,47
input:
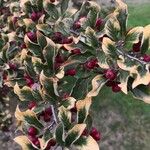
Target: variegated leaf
x,y
97,83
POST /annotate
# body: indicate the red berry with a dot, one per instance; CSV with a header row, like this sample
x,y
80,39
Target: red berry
x,y
146,58
74,109
116,88
23,45
57,37
32,104
97,136
99,23
12,66
36,15
32,131
93,131
48,111
52,1
59,58
76,51
65,95
67,41
15,19
33,139
91,64
76,25
37,143
47,118
137,46
32,36
85,132
71,72
110,74
52,142
5,75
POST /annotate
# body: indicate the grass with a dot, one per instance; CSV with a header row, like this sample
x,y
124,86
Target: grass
x,y
123,120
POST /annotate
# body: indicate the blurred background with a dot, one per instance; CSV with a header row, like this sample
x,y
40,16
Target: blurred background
x,y
123,121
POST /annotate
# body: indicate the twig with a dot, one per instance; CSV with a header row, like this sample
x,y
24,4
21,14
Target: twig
x,y
131,57
119,51
54,115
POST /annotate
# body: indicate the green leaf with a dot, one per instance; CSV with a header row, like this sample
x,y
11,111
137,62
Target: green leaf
x,y
65,117
45,28
91,37
80,141
142,92
34,48
24,94
64,6
74,134
123,78
122,16
83,107
41,39
24,142
59,133
112,28
49,86
146,39
97,83
51,9
68,83
32,120
134,35
102,59
49,54
109,48
47,135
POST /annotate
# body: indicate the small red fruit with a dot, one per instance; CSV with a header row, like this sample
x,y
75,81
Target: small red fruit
x,y
99,23
91,64
116,88
23,45
33,139
15,19
76,51
32,131
71,72
76,25
36,15
32,104
110,74
52,1
85,132
47,118
12,66
48,111
95,134
67,41
37,143
32,36
57,37
146,58
136,47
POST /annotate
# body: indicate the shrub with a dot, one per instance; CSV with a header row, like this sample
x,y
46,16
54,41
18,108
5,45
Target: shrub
x,y
57,58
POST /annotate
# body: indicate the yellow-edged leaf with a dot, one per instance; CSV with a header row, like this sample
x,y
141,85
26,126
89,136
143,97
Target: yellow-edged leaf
x,y
23,141
108,46
91,145
134,34
97,84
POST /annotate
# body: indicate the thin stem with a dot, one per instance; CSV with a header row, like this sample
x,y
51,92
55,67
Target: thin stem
x,y
54,115
131,57
119,51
